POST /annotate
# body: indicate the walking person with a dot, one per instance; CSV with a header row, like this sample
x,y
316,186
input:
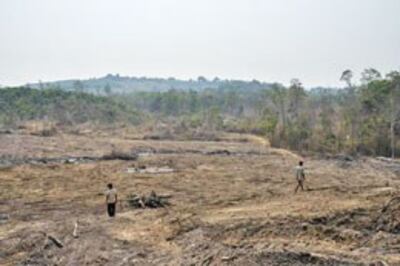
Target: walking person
x,y
300,177
111,200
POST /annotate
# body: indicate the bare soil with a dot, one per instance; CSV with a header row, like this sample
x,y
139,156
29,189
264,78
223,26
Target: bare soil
x,y
232,203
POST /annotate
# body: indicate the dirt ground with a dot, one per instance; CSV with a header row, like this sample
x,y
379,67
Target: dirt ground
x,y
233,203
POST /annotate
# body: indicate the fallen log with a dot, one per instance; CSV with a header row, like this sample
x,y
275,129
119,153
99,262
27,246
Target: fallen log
x,y
57,242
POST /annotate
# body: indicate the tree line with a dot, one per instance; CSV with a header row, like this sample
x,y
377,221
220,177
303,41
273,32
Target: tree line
x,y
362,118
21,104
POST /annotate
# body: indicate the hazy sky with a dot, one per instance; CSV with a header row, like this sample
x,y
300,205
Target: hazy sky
x,y
269,40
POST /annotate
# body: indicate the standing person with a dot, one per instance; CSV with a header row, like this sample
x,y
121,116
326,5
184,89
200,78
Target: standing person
x,y
300,177
111,199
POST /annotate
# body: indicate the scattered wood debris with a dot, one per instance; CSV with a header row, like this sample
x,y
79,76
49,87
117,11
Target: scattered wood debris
x,y
7,161
151,201
388,218
118,155
150,170
6,132
56,241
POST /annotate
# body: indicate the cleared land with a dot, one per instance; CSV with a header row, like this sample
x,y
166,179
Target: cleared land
x,y
232,204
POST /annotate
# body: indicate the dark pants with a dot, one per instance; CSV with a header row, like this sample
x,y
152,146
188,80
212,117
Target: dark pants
x,y
300,184
111,209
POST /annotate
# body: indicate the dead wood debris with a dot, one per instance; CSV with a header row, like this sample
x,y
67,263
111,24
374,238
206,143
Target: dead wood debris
x,y
56,241
151,201
9,161
388,218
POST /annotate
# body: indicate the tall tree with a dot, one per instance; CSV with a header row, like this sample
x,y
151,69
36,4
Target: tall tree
x,y
278,96
370,74
296,96
351,106
394,78
347,77
298,125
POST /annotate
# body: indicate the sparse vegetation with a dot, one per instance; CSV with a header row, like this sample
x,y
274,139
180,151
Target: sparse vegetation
x,y
361,119
232,203
209,150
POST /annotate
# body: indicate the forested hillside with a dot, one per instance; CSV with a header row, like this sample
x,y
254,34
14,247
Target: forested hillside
x,y
22,104
361,118
116,84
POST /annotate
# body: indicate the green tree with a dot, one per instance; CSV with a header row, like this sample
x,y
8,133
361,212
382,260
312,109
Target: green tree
x,y
394,78
278,96
351,107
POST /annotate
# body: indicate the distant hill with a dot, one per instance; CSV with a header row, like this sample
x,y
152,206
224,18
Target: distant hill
x,y
23,104
119,84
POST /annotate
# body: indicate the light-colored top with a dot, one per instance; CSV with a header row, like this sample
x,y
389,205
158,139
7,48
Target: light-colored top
x,y
300,173
111,195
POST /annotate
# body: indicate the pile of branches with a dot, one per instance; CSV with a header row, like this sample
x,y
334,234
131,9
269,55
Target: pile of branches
x,y
152,201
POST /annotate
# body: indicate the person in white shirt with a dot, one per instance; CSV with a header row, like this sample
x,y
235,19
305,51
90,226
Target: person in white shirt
x,y
111,200
300,177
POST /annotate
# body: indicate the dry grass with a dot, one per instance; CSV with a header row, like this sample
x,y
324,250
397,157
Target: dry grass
x,y
227,209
